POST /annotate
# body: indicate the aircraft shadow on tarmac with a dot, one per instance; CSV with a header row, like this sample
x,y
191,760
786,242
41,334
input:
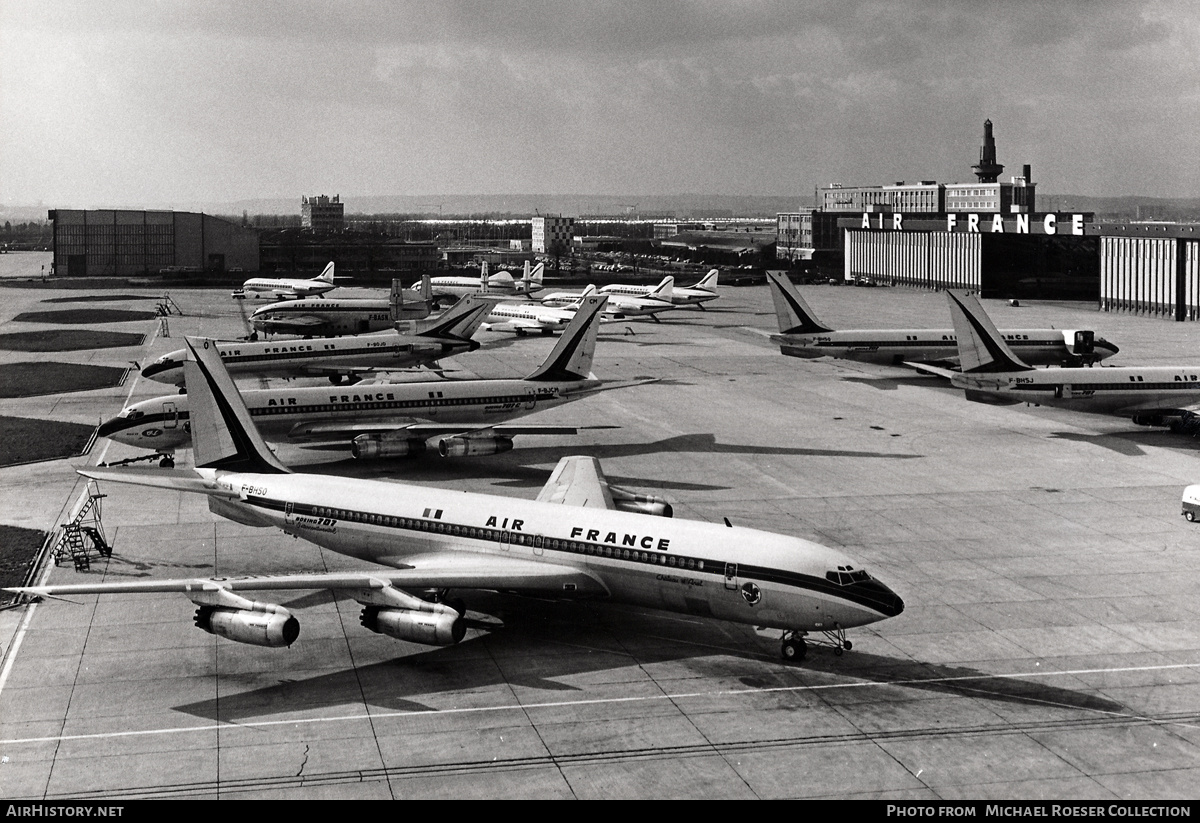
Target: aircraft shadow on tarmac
x,y
1131,443
894,383
541,646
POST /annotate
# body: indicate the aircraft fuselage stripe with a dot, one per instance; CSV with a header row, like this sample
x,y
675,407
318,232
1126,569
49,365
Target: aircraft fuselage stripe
x,y
636,556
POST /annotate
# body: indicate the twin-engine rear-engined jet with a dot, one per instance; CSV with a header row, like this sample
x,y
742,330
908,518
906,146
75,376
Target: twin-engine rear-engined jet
x,y
464,416
501,284
992,373
582,537
527,318
657,300
802,335
413,343
330,316
699,294
289,287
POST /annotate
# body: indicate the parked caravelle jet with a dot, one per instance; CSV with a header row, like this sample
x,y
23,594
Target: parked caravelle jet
x,y
697,295
658,299
580,538
500,284
992,373
287,287
802,335
326,317
414,343
380,419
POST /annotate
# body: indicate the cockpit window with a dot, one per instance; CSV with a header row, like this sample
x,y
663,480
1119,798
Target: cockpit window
x,y
845,575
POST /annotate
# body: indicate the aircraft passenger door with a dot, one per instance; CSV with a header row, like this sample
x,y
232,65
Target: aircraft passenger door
x,y
505,540
289,516
731,582
539,544
530,399
171,415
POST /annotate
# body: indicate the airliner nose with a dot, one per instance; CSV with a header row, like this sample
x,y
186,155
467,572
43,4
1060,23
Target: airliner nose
x,y
110,427
159,366
879,597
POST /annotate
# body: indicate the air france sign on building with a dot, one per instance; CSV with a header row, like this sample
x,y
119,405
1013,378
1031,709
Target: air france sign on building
x,y
973,223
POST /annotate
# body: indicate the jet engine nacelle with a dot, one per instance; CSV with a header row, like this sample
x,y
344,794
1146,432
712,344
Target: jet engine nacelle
x,y
371,446
628,501
467,446
432,628
258,628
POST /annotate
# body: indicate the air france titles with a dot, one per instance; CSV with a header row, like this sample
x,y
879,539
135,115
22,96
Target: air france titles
x,y
976,223
629,540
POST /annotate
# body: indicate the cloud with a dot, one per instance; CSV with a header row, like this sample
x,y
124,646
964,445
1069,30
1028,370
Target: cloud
x,y
130,101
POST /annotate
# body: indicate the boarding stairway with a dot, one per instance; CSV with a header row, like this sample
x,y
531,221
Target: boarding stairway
x,y
82,536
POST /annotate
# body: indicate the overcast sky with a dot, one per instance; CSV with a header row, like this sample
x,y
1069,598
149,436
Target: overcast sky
x,y
135,103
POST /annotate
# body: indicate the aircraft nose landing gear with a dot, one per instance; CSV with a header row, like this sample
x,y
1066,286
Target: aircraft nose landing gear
x,y
793,646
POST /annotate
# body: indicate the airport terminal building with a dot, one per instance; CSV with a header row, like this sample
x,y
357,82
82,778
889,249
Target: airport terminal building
x,y
988,237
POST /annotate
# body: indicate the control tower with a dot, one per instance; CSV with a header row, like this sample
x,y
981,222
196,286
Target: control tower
x,y
987,169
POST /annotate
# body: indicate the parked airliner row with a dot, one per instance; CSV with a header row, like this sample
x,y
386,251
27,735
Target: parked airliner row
x,y
657,300
581,538
500,284
697,295
380,419
801,334
289,287
993,373
414,343
330,316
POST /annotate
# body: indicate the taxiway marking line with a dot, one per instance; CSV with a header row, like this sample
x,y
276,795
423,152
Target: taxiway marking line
x,y
597,701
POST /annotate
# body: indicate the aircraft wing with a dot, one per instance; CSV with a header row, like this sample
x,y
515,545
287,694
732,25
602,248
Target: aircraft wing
x,y
303,321
578,481
334,430
439,570
514,324
929,368
158,478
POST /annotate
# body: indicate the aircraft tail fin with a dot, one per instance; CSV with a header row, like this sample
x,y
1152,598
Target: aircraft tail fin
x,y
532,280
663,290
981,348
223,435
460,320
426,290
794,314
571,358
326,275
709,281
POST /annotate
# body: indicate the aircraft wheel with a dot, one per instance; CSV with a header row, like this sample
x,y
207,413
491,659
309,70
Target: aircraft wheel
x,y
1191,516
839,651
793,651
848,645
167,462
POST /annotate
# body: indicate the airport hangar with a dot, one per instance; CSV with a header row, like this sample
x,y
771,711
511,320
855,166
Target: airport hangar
x,y
132,243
